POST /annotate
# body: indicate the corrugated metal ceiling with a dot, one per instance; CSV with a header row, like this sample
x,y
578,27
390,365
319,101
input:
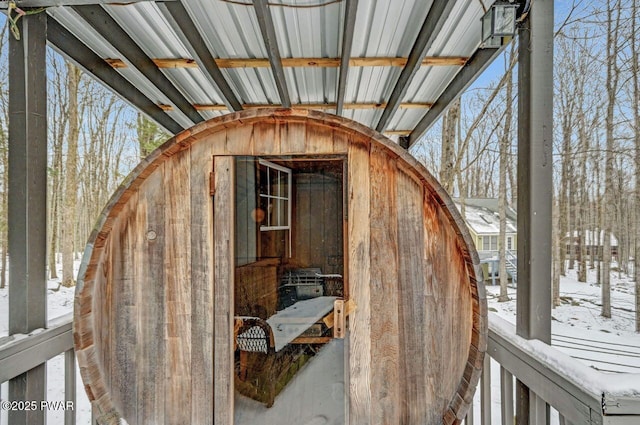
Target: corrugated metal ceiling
x,y
304,29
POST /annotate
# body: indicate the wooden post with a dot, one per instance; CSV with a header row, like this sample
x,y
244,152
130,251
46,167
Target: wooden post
x,y
27,201
535,191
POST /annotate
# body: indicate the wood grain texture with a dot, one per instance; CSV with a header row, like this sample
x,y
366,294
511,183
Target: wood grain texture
x,y
256,286
123,314
224,213
201,285
293,138
151,299
177,204
386,382
266,138
359,236
420,353
152,325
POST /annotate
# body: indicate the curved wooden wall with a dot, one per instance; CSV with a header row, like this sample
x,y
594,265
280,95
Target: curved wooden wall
x,y
143,325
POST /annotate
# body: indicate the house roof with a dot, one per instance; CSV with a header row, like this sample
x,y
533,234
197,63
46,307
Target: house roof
x,y
483,219
181,62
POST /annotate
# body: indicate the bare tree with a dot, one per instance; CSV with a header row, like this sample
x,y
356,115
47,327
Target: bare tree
x,y
613,75
4,149
635,74
450,123
505,144
69,220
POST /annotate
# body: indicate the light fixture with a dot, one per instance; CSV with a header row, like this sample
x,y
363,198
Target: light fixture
x,y
499,24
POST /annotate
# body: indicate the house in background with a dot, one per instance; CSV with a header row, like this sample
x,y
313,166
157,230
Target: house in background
x,y
593,244
483,220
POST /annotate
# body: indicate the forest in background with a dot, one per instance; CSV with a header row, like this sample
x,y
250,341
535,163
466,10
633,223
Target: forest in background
x,y
473,150
95,139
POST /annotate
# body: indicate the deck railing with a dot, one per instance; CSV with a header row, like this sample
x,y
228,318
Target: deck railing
x,y
575,393
22,353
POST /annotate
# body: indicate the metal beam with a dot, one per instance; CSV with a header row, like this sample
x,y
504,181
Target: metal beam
x,y
477,63
535,191
271,43
535,169
4,4
27,218
221,107
351,11
433,23
72,48
107,27
179,19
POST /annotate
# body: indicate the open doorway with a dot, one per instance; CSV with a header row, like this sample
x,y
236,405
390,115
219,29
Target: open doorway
x,y
290,290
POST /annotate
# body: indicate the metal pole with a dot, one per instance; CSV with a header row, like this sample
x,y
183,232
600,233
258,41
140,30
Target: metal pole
x,y
27,201
535,191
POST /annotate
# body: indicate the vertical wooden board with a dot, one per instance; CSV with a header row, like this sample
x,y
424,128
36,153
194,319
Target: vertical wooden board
x,y
319,139
201,285
359,277
224,213
217,141
102,305
177,289
386,382
266,138
446,280
302,214
457,299
332,224
123,314
293,137
419,359
150,298
340,142
239,141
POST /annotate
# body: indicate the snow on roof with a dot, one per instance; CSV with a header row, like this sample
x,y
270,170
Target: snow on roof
x,y
484,221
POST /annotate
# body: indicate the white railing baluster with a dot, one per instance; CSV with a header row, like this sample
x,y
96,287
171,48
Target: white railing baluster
x,y
506,397
538,410
70,386
485,393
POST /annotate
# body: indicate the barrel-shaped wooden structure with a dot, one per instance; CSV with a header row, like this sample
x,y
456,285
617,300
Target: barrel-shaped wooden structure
x,y
153,329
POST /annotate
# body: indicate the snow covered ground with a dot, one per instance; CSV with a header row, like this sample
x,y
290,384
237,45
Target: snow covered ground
x,y
608,345
578,329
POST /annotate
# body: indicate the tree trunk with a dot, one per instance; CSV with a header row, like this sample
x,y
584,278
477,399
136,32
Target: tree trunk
x,y
612,88
635,66
556,247
447,159
71,179
505,143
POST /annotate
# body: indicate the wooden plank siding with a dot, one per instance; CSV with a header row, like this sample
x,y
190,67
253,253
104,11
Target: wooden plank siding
x,y
386,380
153,317
202,304
359,239
223,245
